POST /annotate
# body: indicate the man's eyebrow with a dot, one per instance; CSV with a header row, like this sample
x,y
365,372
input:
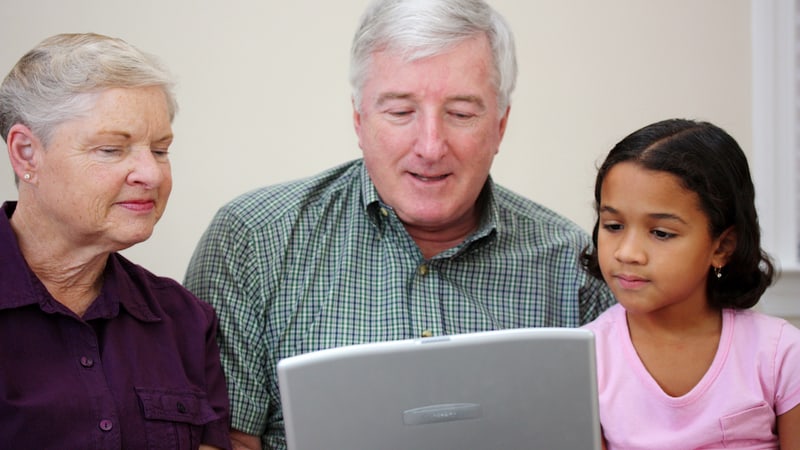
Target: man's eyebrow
x,y
167,138
467,98
388,96
383,98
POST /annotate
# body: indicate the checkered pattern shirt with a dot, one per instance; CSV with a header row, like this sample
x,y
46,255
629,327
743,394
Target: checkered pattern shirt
x,y
322,262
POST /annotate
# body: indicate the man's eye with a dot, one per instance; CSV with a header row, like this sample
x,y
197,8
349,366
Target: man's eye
x,y
462,116
160,154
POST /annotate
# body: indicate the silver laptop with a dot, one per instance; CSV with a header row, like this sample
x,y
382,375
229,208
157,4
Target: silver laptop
x,y
532,388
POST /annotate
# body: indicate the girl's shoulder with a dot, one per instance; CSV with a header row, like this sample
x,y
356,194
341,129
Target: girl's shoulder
x,y
607,319
755,320
755,328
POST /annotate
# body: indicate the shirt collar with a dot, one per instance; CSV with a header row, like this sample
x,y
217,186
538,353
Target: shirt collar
x,y
16,283
372,202
20,286
119,289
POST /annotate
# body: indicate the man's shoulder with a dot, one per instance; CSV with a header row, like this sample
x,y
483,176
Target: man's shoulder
x,y
270,203
534,217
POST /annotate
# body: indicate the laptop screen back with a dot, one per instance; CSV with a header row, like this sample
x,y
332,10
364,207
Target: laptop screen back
x,y
531,388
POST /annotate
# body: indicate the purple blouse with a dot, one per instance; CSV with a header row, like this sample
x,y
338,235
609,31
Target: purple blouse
x,y
140,370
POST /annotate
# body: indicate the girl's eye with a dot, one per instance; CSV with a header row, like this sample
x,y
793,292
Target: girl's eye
x,y
663,235
612,226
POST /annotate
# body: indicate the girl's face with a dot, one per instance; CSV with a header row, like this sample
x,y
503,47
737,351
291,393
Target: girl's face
x,y
654,244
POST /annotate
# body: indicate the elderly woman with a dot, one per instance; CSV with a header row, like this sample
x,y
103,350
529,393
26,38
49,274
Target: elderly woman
x,y
95,351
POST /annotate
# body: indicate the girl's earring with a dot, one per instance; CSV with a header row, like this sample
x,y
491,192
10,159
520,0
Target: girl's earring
x,y
27,176
718,272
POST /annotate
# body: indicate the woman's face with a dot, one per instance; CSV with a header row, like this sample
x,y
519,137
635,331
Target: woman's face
x,y
104,178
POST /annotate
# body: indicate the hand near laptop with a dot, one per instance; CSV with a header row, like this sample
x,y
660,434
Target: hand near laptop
x,y
244,441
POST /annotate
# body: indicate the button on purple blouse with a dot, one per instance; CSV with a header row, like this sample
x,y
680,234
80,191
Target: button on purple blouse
x,y
106,425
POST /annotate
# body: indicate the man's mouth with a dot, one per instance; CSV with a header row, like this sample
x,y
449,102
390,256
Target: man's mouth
x,y
429,177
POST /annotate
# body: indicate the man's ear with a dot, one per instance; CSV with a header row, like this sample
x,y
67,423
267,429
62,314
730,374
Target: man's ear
x,y
356,121
726,246
502,127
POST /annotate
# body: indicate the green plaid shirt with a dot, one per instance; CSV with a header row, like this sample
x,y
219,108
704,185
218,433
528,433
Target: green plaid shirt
x,y
322,262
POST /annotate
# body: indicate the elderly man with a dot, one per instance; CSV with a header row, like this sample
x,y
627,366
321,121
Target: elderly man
x,y
415,239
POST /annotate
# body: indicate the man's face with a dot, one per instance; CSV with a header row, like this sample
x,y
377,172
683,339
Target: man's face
x,y
429,130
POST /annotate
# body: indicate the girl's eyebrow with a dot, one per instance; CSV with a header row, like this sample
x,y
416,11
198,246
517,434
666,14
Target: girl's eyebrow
x,y
660,216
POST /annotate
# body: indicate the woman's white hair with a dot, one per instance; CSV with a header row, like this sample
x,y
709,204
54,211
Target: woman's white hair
x,y
58,79
422,28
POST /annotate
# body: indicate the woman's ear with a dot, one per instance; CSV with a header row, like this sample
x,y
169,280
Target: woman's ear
x,y
726,245
22,148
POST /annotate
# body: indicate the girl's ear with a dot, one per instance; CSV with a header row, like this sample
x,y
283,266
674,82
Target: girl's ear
x,y
726,245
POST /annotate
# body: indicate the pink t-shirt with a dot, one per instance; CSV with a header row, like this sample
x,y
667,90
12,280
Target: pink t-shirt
x,y
754,377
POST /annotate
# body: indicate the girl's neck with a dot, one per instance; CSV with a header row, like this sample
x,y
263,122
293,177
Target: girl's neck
x,y
676,351
676,325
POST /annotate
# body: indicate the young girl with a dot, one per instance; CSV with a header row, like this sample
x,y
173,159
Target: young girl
x,y
683,363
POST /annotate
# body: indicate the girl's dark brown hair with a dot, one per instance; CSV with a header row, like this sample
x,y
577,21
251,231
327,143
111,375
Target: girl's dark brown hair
x,y
710,163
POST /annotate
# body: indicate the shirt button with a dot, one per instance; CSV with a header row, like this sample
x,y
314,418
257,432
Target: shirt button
x,y
106,425
384,212
422,269
427,333
87,362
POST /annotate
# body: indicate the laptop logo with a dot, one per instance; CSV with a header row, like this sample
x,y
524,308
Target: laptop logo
x,y
445,412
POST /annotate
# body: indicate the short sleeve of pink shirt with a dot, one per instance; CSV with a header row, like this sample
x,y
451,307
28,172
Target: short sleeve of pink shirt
x,y
752,379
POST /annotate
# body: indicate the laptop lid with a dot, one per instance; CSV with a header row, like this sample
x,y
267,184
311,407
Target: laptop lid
x,y
531,388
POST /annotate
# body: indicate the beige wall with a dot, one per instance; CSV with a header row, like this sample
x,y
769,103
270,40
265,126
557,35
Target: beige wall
x,y
264,95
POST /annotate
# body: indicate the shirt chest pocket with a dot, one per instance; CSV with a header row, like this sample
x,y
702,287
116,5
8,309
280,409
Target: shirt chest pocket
x,y
174,419
749,427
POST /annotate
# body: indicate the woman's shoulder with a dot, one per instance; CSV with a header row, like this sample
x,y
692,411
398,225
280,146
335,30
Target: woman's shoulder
x,y
159,294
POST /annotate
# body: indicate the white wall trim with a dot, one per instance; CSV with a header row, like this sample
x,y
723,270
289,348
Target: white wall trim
x,y
774,59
